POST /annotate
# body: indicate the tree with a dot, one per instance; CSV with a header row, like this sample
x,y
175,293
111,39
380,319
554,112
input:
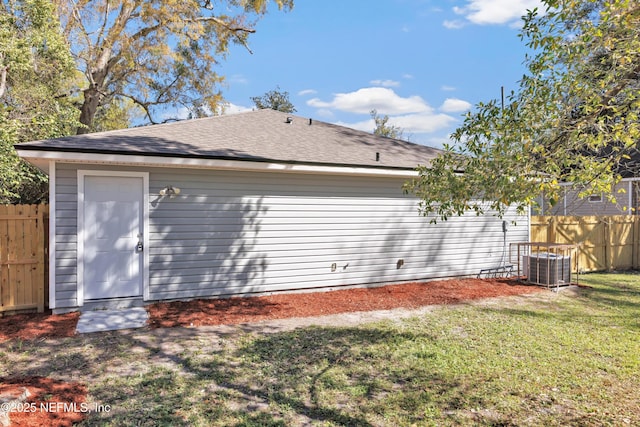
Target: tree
x,y
574,118
118,113
274,100
35,66
383,129
155,53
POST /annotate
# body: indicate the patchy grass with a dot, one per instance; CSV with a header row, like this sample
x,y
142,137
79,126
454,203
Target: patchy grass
x,y
567,358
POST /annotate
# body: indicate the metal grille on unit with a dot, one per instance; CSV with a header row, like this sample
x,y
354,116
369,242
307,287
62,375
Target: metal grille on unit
x,y
548,269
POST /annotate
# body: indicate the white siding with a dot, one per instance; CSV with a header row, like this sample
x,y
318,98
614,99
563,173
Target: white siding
x,y
236,232
66,237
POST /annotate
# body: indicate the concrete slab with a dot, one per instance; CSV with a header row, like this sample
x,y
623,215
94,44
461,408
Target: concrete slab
x,y
112,320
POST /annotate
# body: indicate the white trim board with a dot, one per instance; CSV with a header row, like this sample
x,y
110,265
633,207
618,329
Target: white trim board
x,y
81,173
39,158
52,234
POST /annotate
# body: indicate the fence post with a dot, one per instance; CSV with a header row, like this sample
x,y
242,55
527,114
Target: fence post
x,y
40,256
4,258
634,247
608,246
551,229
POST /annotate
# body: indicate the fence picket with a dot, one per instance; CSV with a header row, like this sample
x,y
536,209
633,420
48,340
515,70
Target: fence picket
x,y
4,253
606,242
11,256
22,257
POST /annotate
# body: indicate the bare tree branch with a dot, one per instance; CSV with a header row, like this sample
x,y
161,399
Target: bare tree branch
x,y
3,76
225,24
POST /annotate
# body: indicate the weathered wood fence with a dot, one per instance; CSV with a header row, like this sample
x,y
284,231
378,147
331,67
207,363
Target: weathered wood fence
x,y
23,263
606,242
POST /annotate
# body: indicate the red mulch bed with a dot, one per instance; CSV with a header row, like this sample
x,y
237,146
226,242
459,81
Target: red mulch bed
x,y
252,309
244,310
38,325
46,404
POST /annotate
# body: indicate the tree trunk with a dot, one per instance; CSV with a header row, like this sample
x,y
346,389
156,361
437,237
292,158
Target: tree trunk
x,y
90,105
101,69
93,95
3,76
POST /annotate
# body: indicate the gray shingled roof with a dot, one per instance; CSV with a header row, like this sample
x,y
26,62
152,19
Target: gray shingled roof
x,y
263,135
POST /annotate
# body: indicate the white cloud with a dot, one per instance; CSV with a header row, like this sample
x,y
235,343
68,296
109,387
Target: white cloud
x,y
385,83
438,142
230,108
417,119
307,92
365,125
237,78
326,113
454,105
407,76
454,25
362,101
488,12
183,113
447,88
420,123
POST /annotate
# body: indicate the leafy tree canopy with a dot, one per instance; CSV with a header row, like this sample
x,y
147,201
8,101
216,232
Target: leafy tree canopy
x,y
35,66
574,118
383,128
82,66
274,100
155,53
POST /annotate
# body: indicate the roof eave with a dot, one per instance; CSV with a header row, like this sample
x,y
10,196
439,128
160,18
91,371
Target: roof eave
x,y
42,157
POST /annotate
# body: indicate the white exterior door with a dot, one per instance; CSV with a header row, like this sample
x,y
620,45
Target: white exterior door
x,y
112,236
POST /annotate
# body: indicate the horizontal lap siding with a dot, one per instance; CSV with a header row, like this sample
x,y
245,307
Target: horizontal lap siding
x,y
231,232
66,237
573,205
235,232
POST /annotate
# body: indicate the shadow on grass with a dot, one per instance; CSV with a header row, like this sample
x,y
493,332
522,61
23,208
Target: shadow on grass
x,y
338,376
615,297
178,313
217,388
341,376
363,376
603,301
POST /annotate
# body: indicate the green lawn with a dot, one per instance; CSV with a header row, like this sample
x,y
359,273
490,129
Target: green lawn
x,y
567,358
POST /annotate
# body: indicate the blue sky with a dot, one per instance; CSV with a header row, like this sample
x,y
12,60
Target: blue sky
x,y
424,63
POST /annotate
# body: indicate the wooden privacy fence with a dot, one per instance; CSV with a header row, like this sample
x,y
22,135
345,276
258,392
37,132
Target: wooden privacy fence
x,y
23,237
605,242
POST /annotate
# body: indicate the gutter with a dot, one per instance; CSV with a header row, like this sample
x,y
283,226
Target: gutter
x,y
40,157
